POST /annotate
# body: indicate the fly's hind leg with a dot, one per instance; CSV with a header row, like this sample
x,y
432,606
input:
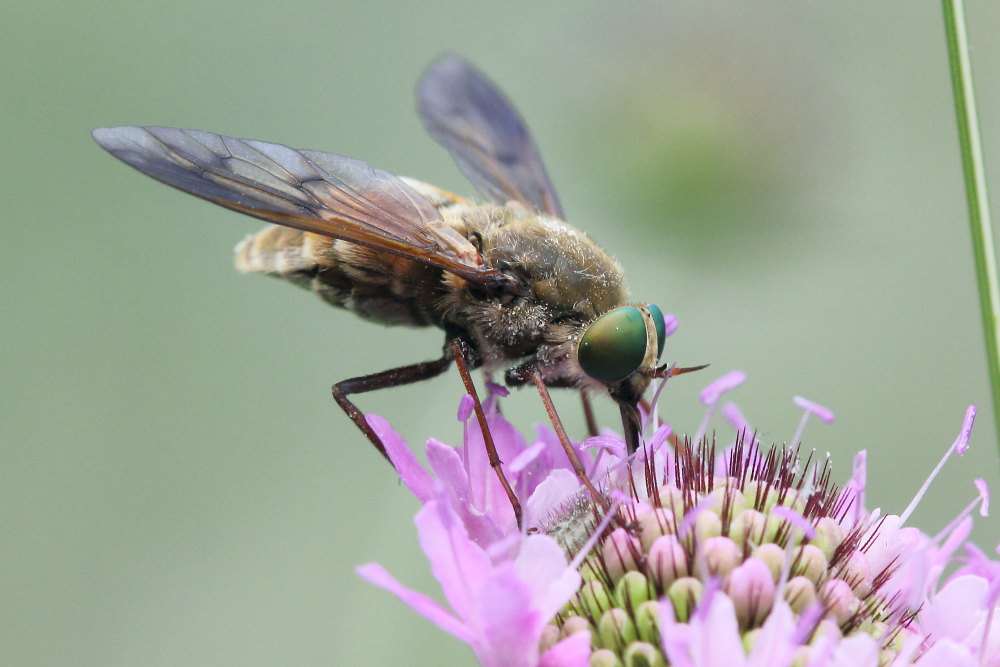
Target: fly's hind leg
x,y
391,378
457,350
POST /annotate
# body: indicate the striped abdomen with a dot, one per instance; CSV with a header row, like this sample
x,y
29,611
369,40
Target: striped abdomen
x,y
375,285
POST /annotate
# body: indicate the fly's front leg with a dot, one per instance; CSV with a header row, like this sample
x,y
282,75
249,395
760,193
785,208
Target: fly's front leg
x,y
530,372
588,414
518,376
574,459
391,378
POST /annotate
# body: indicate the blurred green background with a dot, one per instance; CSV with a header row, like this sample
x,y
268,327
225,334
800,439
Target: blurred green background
x,y
177,486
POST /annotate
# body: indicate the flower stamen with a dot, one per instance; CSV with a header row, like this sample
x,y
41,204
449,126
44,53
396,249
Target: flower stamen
x,y
961,445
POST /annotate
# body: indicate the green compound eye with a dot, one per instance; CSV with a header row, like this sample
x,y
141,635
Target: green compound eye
x,y
614,345
661,329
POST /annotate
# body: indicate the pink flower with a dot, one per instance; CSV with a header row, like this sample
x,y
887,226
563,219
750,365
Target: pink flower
x,y
748,556
964,612
540,475
501,602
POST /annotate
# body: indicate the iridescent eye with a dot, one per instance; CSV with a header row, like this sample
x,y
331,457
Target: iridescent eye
x,y
613,346
661,329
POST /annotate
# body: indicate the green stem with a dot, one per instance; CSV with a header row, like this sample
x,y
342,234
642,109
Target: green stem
x,y
974,171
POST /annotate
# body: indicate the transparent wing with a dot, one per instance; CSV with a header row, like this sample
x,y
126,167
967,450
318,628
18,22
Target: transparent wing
x,y
318,192
466,114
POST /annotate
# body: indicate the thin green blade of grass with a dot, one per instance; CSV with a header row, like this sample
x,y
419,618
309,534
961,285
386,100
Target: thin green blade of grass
x,y
974,172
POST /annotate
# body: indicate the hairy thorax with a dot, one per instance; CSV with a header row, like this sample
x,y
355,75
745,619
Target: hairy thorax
x,y
567,280
563,279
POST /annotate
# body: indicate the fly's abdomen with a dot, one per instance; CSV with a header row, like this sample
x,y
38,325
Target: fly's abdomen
x,y
276,251
374,285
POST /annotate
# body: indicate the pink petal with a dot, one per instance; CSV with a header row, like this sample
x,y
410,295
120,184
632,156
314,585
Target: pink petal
x,y
506,437
774,644
526,458
450,471
549,496
420,603
670,324
505,549
675,640
542,566
485,491
956,538
410,471
482,528
858,650
979,564
710,639
539,561
947,653
476,463
574,651
956,610
718,642
511,626
554,448
448,468
458,564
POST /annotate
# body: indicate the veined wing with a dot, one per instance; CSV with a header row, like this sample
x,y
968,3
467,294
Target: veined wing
x,y
317,192
470,117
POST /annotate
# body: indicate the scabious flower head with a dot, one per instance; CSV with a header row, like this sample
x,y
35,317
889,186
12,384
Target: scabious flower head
x,y
696,554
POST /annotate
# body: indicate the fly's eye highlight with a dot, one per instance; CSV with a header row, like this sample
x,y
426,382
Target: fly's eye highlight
x,y
661,329
614,346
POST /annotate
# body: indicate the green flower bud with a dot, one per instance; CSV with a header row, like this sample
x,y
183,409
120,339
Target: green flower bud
x,y
720,555
647,621
773,556
747,527
632,590
707,524
839,599
654,524
604,658
799,593
684,594
829,535
856,571
642,654
575,624
672,499
667,560
550,636
809,561
593,599
620,551
616,630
